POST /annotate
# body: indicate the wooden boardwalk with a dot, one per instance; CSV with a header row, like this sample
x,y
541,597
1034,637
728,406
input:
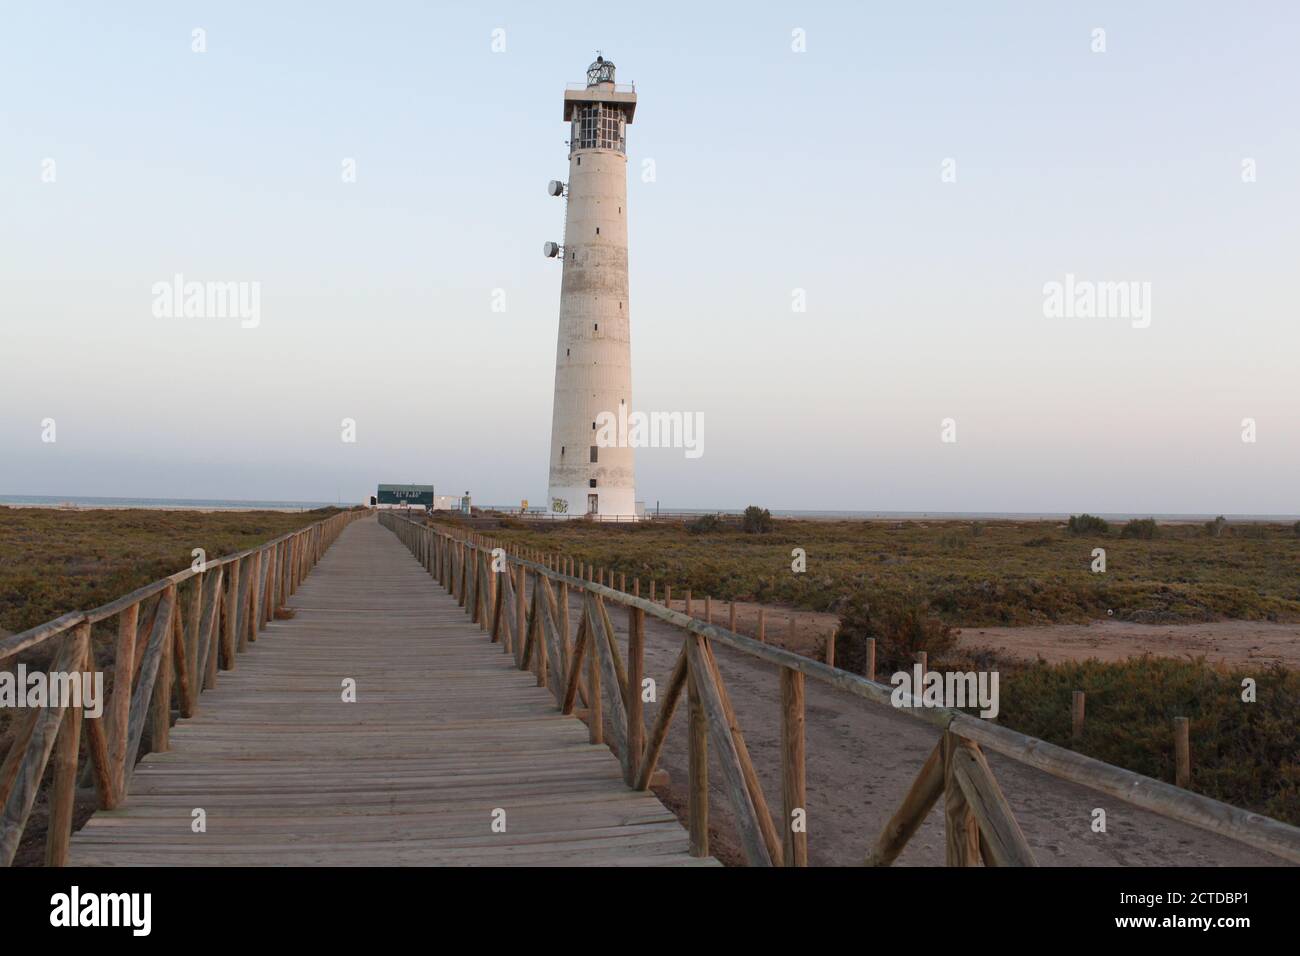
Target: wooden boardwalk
x,y
444,731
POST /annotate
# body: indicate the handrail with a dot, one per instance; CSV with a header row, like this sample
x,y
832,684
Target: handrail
x,y
979,821
171,647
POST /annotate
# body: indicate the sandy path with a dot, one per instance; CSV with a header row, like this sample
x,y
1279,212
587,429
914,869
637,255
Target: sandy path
x,y
1232,642
862,758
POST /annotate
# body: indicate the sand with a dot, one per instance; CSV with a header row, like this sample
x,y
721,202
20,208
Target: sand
x,y
1229,642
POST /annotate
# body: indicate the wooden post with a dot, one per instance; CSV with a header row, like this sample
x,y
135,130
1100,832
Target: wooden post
x,y
1076,715
668,596
595,721
636,587
698,797
160,706
793,784
634,708
67,747
708,609
762,624
622,581
830,647
688,603
731,617
869,659
1182,753
119,713
961,837
652,590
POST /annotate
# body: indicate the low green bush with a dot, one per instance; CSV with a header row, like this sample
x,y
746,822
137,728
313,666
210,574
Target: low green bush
x,y
1142,528
756,520
1087,524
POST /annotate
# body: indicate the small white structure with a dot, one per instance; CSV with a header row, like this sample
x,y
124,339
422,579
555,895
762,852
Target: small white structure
x,y
593,358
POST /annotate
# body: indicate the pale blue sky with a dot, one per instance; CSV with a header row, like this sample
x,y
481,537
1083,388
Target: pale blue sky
x,y
775,170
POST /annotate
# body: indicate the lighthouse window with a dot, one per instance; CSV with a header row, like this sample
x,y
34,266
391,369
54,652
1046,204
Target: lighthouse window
x,y
593,454
566,351
597,327
591,482
598,127
598,230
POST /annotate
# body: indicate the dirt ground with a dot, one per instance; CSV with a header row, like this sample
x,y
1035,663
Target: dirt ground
x,y
862,759
1230,642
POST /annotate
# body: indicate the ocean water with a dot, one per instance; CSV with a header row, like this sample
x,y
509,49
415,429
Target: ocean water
x,y
83,501
940,515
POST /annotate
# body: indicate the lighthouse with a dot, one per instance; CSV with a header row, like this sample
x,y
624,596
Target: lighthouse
x,y
593,355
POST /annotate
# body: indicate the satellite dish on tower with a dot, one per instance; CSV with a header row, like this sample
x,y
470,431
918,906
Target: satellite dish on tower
x,y
555,188
550,249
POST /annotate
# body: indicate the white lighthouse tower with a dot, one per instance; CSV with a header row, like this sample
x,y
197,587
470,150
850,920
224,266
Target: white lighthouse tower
x,y
593,357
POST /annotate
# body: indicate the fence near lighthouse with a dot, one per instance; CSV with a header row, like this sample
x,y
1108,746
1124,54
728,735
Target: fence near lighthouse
x,y
521,599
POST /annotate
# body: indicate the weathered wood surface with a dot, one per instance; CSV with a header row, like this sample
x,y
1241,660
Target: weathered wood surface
x,y
445,730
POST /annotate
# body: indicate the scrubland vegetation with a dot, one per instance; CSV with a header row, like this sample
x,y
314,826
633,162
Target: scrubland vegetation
x,y
53,561
911,584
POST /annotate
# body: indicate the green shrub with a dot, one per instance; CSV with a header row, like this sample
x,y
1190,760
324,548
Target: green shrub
x,y
756,520
1087,524
705,524
1245,754
1143,528
901,626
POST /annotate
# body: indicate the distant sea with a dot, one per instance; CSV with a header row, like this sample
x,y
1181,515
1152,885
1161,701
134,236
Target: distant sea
x,y
198,504
941,515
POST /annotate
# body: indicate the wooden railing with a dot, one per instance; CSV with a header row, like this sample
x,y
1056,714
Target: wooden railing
x,y
491,581
172,638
